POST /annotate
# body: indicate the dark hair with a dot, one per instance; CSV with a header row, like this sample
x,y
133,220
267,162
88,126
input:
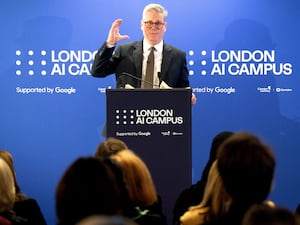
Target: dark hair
x,y
265,215
246,166
215,144
87,187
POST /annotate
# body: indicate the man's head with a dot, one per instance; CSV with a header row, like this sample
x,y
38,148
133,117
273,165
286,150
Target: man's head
x,y
154,23
246,166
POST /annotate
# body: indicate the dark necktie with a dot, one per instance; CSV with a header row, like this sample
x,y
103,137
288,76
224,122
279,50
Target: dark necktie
x,y
149,70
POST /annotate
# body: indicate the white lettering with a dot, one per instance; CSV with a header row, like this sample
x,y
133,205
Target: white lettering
x,y
65,90
154,112
72,56
243,56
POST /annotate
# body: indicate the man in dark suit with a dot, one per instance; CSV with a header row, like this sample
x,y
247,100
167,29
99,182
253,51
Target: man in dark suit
x,y
129,61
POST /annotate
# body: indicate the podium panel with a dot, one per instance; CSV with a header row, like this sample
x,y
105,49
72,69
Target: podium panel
x,y
156,125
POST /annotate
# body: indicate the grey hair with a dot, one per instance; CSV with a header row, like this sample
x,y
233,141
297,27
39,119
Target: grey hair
x,y
157,8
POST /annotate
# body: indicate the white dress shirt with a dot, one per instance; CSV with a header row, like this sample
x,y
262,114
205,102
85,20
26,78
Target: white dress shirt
x,y
157,60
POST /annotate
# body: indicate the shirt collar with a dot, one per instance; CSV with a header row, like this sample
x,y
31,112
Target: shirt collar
x,y
158,47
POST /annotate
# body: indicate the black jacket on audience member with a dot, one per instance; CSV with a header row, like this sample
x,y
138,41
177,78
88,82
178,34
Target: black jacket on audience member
x,y
298,209
193,195
30,210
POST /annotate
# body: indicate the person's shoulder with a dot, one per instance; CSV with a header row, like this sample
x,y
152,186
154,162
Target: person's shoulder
x,y
169,47
192,195
133,44
27,202
8,218
148,217
195,215
4,221
26,205
29,209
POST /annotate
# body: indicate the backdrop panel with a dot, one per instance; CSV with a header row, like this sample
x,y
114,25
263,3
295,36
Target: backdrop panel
x,y
243,58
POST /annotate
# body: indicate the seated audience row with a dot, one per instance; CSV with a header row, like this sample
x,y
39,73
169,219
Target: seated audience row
x,y
116,187
245,166
193,195
240,177
114,182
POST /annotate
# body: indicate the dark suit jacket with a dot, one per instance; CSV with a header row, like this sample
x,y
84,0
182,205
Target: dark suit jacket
x,y
128,58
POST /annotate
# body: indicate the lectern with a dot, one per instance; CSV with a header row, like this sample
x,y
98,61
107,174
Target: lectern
x,y
156,125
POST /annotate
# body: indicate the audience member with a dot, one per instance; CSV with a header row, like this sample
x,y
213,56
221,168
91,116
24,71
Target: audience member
x,y
23,206
260,214
106,220
298,210
109,147
7,196
4,221
89,186
246,166
193,195
213,203
141,188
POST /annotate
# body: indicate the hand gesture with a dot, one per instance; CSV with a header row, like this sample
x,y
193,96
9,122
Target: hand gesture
x,y
114,35
194,99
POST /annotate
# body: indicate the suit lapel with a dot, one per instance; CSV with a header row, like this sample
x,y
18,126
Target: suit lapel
x,y
138,57
167,51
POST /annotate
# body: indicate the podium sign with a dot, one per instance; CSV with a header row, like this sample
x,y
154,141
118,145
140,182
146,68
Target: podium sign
x,y
156,125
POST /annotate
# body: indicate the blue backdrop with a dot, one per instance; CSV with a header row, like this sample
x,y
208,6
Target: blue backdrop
x,y
243,58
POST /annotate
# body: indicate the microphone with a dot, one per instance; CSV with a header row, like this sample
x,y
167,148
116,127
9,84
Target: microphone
x,y
134,77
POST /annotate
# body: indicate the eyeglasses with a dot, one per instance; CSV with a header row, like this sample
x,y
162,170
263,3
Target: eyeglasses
x,y
149,24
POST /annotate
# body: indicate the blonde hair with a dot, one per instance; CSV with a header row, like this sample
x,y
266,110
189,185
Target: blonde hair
x,y
7,157
7,187
156,8
110,147
213,202
214,193
138,179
